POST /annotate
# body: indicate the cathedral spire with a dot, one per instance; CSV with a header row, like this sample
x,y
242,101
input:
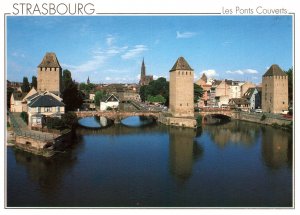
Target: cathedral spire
x,y
143,69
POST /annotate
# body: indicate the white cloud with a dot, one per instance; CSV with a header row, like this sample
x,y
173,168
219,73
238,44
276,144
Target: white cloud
x,y
210,73
242,72
184,34
137,50
109,40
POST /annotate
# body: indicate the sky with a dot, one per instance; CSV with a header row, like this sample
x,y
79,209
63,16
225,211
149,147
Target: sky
x,y
110,49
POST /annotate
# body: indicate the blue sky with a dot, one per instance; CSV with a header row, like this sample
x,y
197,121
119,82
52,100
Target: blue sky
x,y
110,49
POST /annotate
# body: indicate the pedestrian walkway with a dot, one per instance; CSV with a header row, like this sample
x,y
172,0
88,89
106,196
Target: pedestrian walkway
x,y
21,129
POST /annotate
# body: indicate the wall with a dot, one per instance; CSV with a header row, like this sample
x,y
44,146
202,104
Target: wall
x,y
256,117
49,79
177,121
182,93
275,94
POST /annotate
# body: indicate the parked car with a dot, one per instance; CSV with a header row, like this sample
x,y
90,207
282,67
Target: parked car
x,y
258,111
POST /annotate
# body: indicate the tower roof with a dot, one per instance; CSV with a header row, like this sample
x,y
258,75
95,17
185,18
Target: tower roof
x,y
50,61
204,77
274,70
181,64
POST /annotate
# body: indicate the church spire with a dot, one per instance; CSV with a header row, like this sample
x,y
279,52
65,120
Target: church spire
x,y
88,80
143,69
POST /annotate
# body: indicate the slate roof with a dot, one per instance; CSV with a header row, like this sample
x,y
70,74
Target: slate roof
x,y
50,61
181,64
204,77
274,70
249,92
45,101
110,98
239,101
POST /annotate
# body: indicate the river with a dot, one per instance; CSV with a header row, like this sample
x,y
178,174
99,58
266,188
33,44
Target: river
x,y
238,164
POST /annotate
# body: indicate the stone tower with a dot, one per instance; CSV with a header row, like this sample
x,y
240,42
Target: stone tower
x,y
49,76
181,101
274,90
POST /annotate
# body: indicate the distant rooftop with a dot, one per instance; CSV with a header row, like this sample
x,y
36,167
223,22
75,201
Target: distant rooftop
x,y
181,64
50,61
274,70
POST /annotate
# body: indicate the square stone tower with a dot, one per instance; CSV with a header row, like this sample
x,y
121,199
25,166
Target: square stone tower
x,y
49,76
181,101
274,90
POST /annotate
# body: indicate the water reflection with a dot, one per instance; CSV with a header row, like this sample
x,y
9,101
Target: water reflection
x,y
233,132
276,147
137,121
90,122
183,151
47,173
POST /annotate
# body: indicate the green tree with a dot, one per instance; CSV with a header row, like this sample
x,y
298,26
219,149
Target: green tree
x,y
156,87
290,84
25,86
158,98
67,79
143,93
69,119
98,96
24,116
87,87
198,92
72,97
34,82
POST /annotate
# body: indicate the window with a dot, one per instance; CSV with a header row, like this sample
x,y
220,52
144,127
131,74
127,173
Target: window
x,y
47,109
57,109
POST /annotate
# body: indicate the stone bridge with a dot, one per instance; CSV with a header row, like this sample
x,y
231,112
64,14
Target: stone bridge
x,y
216,115
116,116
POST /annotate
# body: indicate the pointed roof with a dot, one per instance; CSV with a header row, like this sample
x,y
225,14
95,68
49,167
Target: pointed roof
x,y
274,70
204,77
45,101
181,64
50,61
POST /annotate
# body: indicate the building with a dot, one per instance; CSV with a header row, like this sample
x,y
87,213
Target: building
x,y
253,96
44,105
49,76
145,79
239,103
110,102
274,90
181,89
18,100
206,86
88,80
245,87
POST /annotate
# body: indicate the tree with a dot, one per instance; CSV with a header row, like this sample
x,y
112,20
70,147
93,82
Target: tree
x,y
34,82
198,92
67,79
25,86
87,87
98,96
72,97
143,93
290,84
158,98
155,88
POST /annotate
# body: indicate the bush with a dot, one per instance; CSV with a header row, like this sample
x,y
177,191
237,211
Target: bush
x,y
199,121
69,119
55,123
263,117
24,116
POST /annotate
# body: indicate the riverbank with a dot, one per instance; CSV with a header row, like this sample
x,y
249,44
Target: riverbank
x,y
266,119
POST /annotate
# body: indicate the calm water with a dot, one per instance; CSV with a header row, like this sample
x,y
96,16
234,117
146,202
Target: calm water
x,y
238,164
